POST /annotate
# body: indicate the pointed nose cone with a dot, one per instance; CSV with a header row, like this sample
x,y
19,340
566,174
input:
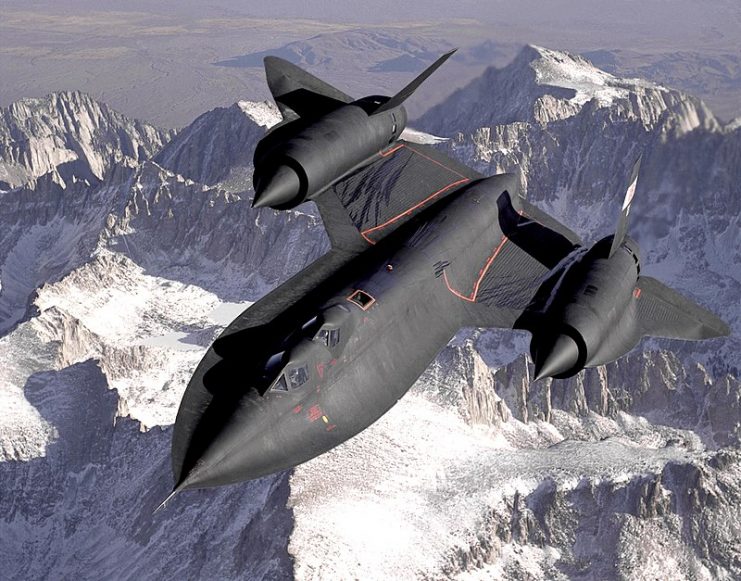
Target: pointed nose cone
x,y
194,478
216,468
554,357
278,189
244,447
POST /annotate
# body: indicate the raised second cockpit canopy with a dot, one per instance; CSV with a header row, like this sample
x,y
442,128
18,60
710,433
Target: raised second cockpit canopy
x,y
328,337
297,376
335,329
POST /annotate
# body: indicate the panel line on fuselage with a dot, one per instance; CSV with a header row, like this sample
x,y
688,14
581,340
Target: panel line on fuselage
x,y
428,158
411,210
402,181
387,152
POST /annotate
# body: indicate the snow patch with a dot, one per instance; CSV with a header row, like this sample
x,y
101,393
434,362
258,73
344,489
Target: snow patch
x,y
413,509
149,333
565,70
264,113
559,69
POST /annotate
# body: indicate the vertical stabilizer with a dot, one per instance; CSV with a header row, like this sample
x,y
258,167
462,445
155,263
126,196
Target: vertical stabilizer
x,y
622,225
407,91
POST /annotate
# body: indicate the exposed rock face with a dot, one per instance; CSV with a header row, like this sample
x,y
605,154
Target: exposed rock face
x,y
125,249
651,384
81,510
659,526
205,235
198,231
212,149
72,137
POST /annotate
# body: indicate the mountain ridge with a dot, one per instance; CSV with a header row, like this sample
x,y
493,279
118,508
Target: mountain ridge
x,y
477,472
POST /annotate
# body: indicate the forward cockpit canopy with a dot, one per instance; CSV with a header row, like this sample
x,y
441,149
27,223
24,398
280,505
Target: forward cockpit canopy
x,y
287,372
316,342
293,377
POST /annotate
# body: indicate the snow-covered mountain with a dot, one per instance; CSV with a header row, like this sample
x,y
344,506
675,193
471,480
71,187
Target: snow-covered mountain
x,y
117,271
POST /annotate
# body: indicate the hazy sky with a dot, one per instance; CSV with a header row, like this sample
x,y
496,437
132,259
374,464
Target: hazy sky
x,y
162,61
683,21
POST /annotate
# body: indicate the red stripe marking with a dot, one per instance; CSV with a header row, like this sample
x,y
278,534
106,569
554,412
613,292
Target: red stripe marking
x,y
482,273
297,409
410,211
636,292
390,151
484,269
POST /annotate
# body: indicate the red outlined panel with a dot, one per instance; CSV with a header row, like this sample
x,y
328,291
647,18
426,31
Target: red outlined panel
x,y
366,233
428,158
361,299
471,297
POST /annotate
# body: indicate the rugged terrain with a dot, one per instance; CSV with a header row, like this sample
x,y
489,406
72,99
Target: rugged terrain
x,y
124,249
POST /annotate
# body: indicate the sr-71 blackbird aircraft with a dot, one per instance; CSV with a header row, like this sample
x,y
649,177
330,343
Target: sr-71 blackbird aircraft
x,y
421,246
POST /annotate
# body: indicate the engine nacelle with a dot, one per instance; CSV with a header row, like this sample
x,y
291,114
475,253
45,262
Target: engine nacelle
x,y
580,326
560,352
292,169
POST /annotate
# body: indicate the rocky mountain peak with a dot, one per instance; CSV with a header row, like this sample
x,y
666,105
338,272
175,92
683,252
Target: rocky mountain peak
x,y
541,86
214,148
71,135
264,113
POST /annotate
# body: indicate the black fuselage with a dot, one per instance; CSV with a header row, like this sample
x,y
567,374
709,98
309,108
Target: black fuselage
x,y
383,348
393,308
421,247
